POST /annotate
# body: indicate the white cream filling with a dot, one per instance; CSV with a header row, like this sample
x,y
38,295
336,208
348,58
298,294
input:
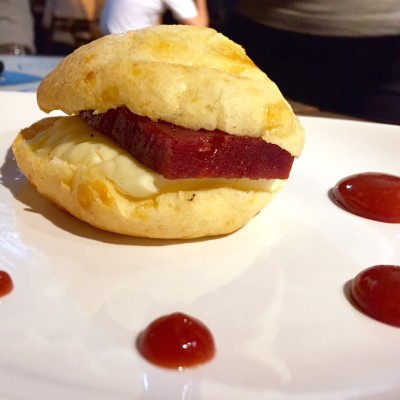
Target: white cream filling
x,y
73,141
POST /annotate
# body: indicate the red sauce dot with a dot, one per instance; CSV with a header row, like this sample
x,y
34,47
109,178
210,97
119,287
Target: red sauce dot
x,y
370,195
376,291
6,283
176,341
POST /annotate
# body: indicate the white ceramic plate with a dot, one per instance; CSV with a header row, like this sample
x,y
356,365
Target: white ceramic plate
x,y
272,293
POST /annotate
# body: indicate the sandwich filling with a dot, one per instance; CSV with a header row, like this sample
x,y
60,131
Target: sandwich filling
x,y
180,153
74,142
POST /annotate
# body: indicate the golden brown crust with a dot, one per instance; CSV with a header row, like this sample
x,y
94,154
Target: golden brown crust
x,y
87,195
189,76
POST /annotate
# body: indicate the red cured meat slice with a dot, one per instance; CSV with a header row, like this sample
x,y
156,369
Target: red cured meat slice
x,y
176,152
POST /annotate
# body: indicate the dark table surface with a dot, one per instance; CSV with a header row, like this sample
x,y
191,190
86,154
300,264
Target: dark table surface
x,y
309,110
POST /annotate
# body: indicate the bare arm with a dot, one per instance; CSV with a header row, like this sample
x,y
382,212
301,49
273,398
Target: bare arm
x,y
202,18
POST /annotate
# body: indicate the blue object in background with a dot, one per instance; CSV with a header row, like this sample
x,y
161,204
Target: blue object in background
x,y
16,78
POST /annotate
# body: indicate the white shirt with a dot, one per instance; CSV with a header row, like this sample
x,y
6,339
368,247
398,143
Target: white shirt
x,y
122,15
327,17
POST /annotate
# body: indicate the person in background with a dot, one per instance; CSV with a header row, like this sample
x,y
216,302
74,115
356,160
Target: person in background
x,y
218,11
70,24
341,56
16,27
123,15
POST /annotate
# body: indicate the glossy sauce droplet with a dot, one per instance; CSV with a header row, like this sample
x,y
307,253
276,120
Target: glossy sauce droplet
x,y
6,283
376,291
176,341
370,195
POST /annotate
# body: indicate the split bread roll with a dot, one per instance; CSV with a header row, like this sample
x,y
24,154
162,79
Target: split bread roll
x,y
188,76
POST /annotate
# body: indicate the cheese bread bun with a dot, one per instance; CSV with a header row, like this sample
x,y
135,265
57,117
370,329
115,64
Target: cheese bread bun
x,y
191,82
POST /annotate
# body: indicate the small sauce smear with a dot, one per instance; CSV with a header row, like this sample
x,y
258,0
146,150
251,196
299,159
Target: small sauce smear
x,y
376,290
6,283
370,195
176,341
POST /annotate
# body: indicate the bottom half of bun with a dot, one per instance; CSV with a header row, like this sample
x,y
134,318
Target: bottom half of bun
x,y
90,196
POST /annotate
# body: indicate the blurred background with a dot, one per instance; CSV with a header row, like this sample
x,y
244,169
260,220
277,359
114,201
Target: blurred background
x,y
60,26
341,56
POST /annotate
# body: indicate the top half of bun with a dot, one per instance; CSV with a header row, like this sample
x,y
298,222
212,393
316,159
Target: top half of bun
x,y
189,76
